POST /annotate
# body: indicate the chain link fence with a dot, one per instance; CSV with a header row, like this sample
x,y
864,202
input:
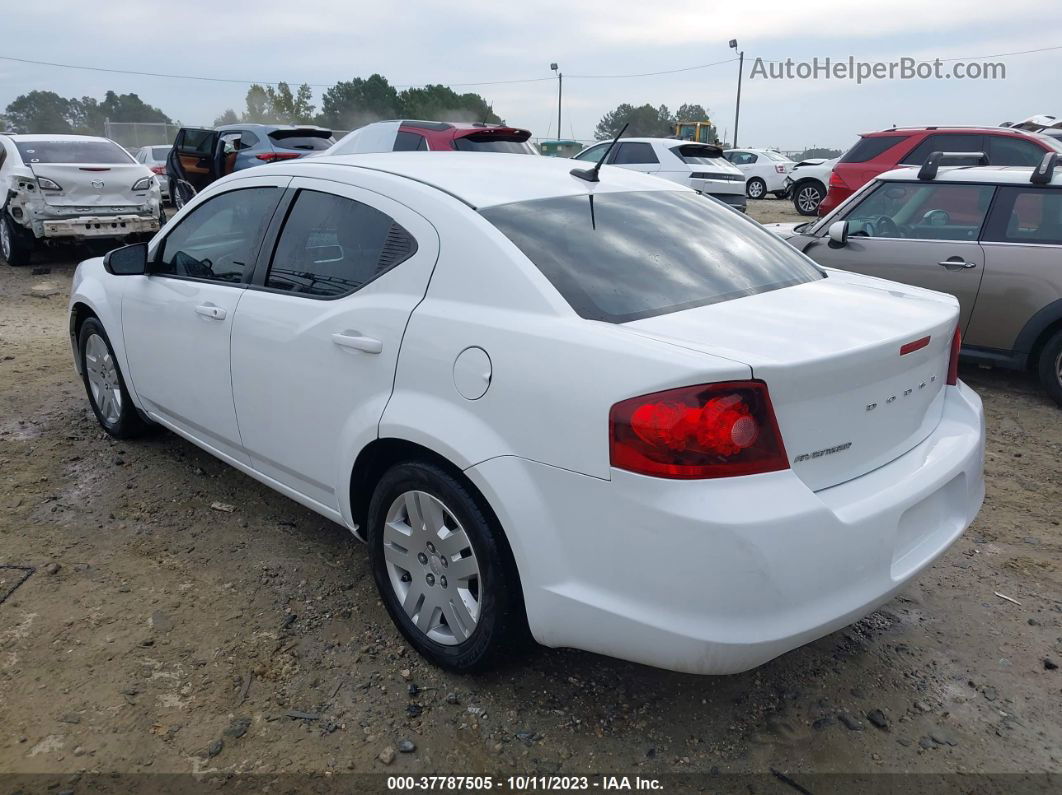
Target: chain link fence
x,y
134,134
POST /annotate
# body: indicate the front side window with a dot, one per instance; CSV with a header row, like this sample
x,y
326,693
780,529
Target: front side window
x,y
619,257
219,239
922,211
633,154
331,246
1026,215
73,151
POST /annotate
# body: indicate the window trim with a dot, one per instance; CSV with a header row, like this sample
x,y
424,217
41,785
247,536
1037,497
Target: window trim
x,y
271,240
995,219
160,247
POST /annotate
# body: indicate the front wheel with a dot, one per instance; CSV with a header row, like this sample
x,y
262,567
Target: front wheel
x,y
1050,367
16,244
807,196
104,384
755,188
443,569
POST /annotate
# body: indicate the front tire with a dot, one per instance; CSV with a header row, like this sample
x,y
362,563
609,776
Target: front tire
x,y
105,385
755,188
16,244
443,568
1050,367
807,196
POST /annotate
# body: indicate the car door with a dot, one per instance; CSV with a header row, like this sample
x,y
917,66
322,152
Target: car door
x,y
920,233
635,155
1023,265
193,157
177,319
316,339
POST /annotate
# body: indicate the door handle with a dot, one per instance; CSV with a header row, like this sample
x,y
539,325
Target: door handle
x,y
956,263
211,311
352,339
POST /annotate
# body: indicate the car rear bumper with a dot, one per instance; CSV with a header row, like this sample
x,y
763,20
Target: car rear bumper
x,y
834,197
720,576
89,226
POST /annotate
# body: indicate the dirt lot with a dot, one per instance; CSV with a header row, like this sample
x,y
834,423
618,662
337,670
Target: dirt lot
x,y
157,634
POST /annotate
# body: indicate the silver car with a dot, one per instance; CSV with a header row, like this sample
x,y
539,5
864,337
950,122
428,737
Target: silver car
x,y
154,157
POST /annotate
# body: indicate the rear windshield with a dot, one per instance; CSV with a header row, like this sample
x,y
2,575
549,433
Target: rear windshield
x,y
301,139
160,152
869,148
633,255
698,154
776,156
484,143
72,152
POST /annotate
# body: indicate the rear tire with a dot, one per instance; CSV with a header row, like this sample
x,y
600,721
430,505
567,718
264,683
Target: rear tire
x,y
1050,367
16,244
105,385
755,188
443,569
807,196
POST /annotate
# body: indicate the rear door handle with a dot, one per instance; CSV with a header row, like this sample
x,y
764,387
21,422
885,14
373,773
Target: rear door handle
x,y
352,339
211,310
955,263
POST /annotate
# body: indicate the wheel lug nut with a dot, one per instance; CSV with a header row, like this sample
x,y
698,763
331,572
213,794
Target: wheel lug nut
x,y
405,577
442,581
431,547
431,579
445,562
422,558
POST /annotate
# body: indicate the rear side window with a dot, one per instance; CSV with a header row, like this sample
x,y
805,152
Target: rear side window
x,y
619,257
1026,215
1006,150
301,140
946,142
219,240
634,154
72,152
868,148
332,246
410,142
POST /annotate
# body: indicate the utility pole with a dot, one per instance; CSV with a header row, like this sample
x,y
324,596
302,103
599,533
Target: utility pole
x,y
560,86
737,106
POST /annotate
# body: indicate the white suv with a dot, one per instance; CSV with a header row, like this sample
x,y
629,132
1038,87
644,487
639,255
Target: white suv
x,y
765,170
698,166
71,187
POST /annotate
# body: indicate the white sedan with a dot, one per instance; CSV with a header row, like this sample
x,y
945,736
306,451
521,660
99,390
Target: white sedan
x,y
611,413
765,170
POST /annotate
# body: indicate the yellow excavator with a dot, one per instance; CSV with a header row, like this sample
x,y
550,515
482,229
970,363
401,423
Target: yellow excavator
x,y
701,132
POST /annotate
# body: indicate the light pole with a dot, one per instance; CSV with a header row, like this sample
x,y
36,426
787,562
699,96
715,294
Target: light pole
x,y
737,107
560,86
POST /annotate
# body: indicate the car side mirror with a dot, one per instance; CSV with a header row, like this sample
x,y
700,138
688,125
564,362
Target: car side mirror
x,y
127,260
838,234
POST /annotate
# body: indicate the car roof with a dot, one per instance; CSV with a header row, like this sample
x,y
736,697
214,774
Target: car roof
x,y
995,175
951,128
45,137
485,179
268,127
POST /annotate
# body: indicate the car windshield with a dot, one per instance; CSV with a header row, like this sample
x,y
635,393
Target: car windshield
x,y
470,143
72,152
624,256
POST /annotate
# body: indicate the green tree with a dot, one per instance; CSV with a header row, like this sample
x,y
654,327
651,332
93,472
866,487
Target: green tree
x,y
351,103
819,151
642,121
257,101
40,112
687,112
442,103
228,117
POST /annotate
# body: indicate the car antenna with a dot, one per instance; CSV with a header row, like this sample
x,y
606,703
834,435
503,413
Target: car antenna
x,y
590,174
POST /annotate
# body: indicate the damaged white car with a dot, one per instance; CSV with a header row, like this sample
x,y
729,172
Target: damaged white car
x,y
71,188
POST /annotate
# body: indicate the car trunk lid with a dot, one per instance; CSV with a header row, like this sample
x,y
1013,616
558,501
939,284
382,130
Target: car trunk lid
x,y
846,398
92,185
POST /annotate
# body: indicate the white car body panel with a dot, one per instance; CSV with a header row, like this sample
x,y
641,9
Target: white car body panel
x,y
765,562
764,168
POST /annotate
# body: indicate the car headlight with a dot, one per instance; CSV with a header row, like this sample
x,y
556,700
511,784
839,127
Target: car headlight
x,y
144,183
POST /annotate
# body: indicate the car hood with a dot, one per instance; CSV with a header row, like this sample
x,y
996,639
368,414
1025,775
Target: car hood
x,y
785,231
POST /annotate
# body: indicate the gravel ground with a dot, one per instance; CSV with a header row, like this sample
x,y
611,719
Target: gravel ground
x,y
159,634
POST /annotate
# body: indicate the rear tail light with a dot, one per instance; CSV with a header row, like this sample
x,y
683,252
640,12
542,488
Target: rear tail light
x,y
708,431
269,157
780,169
953,363
48,184
158,169
836,181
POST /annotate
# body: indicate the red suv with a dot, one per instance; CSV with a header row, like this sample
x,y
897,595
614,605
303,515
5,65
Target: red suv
x,y
413,136
876,153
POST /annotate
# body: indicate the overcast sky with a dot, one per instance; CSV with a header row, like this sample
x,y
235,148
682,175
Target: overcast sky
x,y
421,41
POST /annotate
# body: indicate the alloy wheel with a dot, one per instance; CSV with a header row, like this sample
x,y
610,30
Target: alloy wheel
x,y
432,567
808,199
756,190
103,379
5,240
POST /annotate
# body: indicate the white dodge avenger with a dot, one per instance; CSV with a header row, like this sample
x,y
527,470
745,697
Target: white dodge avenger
x,y
591,406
